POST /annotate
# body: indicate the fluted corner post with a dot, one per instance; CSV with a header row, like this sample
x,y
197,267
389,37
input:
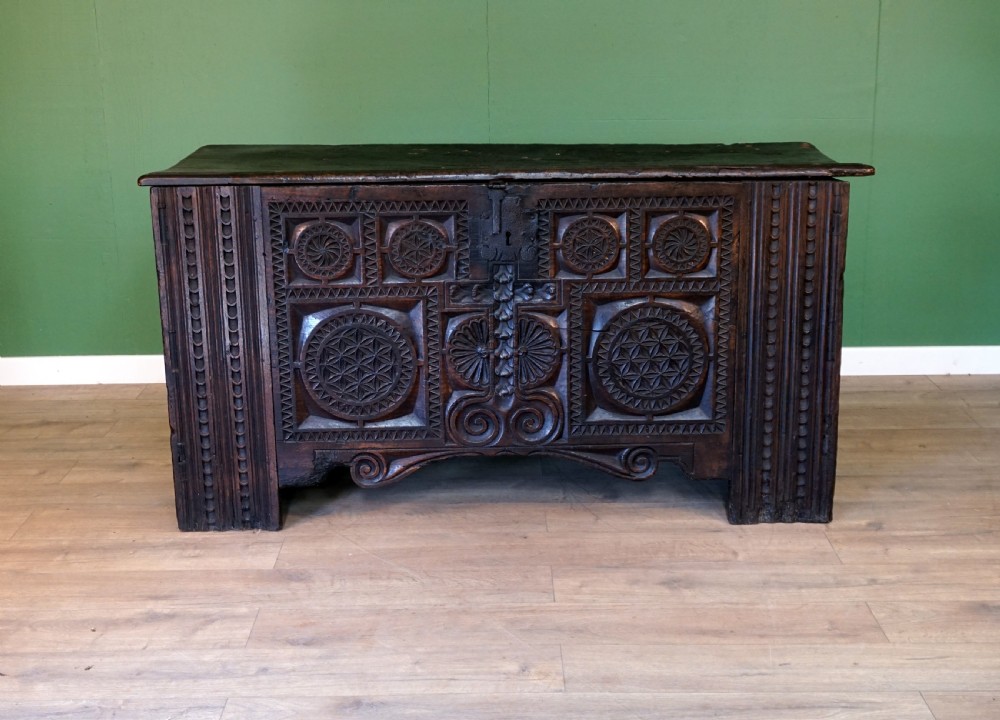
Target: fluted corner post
x,y
786,443
218,368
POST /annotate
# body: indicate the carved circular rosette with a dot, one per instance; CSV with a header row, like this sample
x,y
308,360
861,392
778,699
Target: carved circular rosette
x,y
470,349
323,250
418,249
472,421
359,365
538,350
536,419
368,469
590,245
651,359
681,245
640,462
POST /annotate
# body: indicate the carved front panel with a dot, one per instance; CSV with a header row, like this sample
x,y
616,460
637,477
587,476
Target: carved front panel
x,y
356,286
415,323
650,346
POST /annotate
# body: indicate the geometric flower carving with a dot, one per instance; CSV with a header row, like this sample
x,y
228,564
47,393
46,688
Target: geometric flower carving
x,y
418,249
681,245
323,250
651,359
590,245
359,365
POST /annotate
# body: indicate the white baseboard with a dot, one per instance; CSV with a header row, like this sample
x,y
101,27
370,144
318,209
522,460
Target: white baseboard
x,y
118,369
82,370
941,360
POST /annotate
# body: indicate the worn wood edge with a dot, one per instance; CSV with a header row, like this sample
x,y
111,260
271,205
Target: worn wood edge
x,y
736,172
788,160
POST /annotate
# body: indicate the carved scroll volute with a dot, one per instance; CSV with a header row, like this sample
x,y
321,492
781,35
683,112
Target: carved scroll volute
x,y
505,356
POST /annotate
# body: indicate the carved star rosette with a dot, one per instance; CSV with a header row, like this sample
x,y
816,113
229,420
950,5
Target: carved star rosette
x,y
650,359
681,245
418,248
359,365
590,245
323,250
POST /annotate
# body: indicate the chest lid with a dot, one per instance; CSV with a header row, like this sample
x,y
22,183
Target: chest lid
x,y
360,164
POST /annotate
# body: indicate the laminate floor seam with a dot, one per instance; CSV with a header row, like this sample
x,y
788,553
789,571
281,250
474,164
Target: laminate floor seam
x,y
876,620
253,625
20,525
930,710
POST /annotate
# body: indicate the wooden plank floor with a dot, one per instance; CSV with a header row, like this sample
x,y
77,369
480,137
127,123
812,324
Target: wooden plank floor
x,y
515,589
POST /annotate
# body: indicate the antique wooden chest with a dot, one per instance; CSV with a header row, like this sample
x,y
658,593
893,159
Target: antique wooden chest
x,y
382,307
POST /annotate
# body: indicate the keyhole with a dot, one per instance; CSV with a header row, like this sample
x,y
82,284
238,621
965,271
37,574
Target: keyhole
x,y
508,238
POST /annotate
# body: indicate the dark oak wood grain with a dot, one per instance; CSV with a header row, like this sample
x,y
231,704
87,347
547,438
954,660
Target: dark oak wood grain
x,y
322,164
322,308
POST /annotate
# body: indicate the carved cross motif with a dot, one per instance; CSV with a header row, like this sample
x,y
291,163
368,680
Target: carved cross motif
x,y
521,349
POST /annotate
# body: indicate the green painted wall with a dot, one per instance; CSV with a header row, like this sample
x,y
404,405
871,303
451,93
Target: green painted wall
x,y
95,92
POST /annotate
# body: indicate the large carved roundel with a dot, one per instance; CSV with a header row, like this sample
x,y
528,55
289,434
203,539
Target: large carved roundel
x,y
359,365
590,245
681,245
324,251
418,249
651,359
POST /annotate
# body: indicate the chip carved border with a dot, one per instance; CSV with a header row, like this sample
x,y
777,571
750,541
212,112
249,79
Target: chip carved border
x,y
279,289
426,293
368,211
721,287
284,295
547,207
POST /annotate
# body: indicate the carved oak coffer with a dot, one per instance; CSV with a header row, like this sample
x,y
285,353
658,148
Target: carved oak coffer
x,y
383,307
